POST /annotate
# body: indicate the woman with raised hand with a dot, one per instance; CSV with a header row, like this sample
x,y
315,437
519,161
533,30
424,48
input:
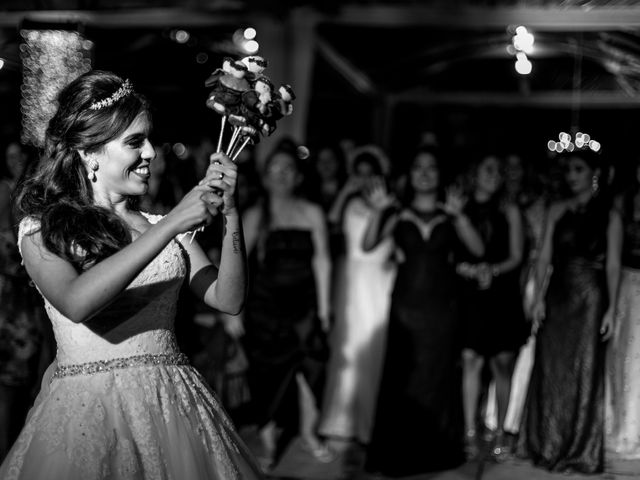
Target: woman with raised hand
x,y
121,401
418,424
361,307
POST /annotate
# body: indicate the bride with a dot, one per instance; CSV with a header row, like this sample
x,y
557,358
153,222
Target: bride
x,y
121,401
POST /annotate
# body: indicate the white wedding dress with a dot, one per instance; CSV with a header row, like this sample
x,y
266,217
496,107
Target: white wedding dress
x,y
360,332
121,401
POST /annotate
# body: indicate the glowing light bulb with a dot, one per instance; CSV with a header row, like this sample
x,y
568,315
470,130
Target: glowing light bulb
x,y
524,67
521,30
250,33
551,145
182,36
524,42
251,46
180,150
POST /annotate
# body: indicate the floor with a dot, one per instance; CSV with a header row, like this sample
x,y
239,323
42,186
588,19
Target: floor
x,y
296,463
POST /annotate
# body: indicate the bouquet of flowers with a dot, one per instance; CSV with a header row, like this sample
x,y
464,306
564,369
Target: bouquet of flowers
x,y
246,99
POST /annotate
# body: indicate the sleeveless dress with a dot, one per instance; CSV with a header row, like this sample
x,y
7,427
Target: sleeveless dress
x,y
622,390
359,333
121,401
418,423
494,319
283,334
563,422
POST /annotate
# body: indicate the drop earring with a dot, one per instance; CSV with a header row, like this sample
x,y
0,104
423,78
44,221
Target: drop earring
x,y
93,166
594,183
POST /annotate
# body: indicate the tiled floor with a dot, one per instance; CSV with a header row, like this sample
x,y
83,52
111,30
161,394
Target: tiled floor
x,y
296,463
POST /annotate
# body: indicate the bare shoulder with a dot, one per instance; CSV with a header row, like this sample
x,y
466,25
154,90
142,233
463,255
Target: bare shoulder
x,y
557,209
312,211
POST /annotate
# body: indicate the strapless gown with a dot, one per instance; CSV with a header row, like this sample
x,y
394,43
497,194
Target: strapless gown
x,y
121,401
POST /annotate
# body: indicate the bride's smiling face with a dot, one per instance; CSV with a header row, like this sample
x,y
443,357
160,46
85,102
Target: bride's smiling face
x,y
124,163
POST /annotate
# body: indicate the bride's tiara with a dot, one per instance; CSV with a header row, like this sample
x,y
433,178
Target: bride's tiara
x,y
123,91
583,141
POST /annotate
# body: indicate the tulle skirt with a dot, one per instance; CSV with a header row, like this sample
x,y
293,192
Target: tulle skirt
x,y
146,421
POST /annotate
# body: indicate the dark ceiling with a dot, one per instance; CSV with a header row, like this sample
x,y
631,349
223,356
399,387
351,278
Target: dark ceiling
x,y
383,71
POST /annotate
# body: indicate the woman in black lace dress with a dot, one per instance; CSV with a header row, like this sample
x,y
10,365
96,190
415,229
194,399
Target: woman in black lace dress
x,y
562,427
418,423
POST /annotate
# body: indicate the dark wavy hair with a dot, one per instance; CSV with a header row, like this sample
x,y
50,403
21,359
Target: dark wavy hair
x,y
57,191
407,192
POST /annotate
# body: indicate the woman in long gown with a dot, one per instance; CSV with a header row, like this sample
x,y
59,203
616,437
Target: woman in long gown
x,y
418,424
494,323
287,312
563,424
120,401
361,310
622,387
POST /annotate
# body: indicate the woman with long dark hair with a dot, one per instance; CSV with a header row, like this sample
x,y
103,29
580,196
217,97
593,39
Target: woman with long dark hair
x,y
494,322
120,400
418,423
563,424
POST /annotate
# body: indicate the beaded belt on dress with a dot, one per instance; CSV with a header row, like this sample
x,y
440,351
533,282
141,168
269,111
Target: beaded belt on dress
x,y
101,366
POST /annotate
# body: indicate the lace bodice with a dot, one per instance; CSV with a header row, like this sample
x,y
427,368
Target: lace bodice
x,y
138,322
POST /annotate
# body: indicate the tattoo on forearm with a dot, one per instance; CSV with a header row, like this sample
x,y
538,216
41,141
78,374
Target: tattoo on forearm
x,y
235,236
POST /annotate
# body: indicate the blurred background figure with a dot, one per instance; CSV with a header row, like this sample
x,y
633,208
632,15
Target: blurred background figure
x,y
287,312
622,392
362,307
494,324
563,424
418,423
25,334
328,175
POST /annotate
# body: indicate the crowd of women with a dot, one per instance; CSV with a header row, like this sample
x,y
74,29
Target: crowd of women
x,y
387,299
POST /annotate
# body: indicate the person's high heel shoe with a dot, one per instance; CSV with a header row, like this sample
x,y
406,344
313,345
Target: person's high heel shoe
x,y
471,448
318,450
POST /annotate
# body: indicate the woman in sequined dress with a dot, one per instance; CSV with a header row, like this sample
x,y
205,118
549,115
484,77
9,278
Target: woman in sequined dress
x,y
563,423
622,387
120,401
